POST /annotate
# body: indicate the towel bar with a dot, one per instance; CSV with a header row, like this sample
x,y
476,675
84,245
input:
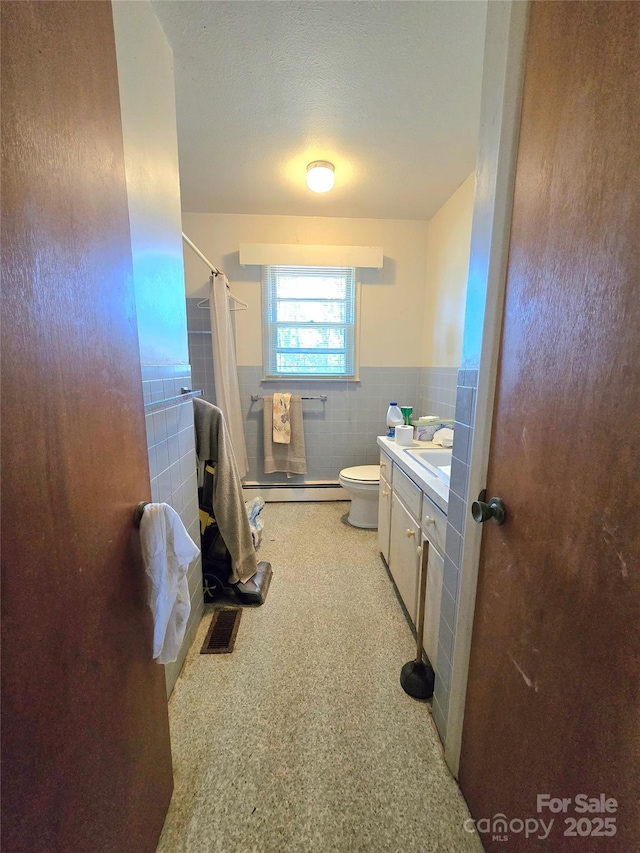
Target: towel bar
x,y
184,395
137,518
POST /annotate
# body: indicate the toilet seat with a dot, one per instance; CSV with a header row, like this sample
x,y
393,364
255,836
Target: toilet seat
x,y
364,474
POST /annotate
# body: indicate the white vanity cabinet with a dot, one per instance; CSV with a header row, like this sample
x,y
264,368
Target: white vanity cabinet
x,y
404,541
404,554
384,504
433,599
434,527
408,522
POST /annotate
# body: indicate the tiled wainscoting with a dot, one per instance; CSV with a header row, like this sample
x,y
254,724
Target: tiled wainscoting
x,y
338,433
463,433
172,467
437,391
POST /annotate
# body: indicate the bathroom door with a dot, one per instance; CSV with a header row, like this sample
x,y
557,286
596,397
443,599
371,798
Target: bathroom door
x,y
86,760
553,697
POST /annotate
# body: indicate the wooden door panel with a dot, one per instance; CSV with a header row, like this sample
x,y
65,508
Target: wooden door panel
x,y
554,689
86,762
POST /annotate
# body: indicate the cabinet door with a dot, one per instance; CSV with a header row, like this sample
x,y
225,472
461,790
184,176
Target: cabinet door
x,y
404,558
433,595
384,517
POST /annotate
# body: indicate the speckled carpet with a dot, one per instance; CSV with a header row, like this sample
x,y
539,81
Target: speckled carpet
x,y
302,740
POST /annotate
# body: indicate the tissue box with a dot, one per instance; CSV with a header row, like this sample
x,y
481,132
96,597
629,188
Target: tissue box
x,y
426,427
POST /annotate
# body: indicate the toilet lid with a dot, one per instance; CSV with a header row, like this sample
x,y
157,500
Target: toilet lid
x,y
363,473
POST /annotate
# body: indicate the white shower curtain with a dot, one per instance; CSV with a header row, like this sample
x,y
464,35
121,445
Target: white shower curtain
x,y
225,369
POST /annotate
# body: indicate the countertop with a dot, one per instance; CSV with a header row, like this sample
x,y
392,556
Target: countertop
x,y
432,487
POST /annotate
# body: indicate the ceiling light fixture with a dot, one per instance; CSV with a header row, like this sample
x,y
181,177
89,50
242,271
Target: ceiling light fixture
x,y
320,176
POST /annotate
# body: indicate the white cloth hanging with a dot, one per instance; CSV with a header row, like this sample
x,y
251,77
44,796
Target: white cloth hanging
x,y
167,551
225,368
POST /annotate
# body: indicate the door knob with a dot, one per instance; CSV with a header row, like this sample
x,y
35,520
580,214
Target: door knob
x,y
411,533
494,509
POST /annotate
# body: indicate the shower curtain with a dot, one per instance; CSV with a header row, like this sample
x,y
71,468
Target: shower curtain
x,y
225,369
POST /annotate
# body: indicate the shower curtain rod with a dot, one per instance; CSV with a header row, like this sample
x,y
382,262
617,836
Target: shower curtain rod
x,y
214,271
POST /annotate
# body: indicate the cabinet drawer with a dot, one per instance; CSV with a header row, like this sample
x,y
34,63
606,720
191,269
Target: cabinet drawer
x,y
407,490
386,467
434,523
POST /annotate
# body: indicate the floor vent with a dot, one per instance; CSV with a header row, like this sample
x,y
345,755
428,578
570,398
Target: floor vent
x,y
221,635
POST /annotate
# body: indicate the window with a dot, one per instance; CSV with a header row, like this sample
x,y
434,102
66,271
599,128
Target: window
x,y
309,322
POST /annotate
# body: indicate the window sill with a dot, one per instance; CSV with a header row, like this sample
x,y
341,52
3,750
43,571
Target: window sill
x,y
310,378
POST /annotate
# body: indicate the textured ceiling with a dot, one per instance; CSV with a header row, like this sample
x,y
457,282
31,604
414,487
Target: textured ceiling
x,y
387,91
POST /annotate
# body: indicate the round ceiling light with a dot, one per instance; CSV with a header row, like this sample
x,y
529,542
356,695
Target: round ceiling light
x,y
320,176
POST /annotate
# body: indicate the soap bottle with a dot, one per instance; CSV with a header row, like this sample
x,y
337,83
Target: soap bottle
x,y
394,419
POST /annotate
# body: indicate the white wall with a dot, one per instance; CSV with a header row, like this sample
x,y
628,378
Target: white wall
x,y
448,244
149,131
393,299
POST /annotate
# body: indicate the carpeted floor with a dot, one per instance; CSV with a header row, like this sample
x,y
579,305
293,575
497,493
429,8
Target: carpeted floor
x,y
302,740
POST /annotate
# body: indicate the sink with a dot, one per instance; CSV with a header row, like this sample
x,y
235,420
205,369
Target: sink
x,y
436,463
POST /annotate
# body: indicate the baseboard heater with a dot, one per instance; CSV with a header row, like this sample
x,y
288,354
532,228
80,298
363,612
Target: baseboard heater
x,y
309,491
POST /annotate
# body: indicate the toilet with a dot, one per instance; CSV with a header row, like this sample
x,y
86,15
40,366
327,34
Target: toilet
x,y
362,483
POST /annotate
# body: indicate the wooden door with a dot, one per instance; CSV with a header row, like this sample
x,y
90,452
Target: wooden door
x,y
86,761
554,685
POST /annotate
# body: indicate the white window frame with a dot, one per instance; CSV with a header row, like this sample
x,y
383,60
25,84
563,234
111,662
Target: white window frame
x,y
269,328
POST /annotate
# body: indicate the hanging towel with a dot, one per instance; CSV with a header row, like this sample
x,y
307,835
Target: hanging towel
x,y
291,457
281,418
167,550
225,370
213,443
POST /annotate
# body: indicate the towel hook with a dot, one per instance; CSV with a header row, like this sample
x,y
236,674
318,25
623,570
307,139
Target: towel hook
x,y
139,512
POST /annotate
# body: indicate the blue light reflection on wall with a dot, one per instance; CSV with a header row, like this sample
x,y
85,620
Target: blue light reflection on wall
x,y
160,303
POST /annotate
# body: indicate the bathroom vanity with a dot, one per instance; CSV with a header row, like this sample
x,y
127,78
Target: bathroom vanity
x,y
412,515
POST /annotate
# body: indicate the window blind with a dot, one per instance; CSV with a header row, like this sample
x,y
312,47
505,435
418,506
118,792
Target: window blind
x,y
309,321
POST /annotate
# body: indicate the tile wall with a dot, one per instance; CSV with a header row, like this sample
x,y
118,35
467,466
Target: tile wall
x,y
339,433
463,433
172,468
437,391
199,333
